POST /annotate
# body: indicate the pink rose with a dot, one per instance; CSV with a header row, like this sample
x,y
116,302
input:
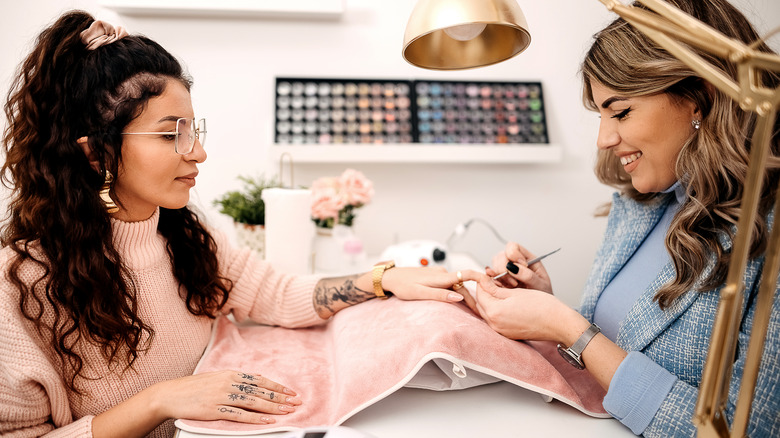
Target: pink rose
x,y
356,189
326,201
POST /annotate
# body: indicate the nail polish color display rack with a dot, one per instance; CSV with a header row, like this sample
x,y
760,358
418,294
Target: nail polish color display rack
x,y
321,111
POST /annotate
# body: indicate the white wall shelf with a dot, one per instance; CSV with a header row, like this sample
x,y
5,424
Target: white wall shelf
x,y
319,9
420,153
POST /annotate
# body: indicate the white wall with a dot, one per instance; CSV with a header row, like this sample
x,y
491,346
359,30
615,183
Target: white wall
x,y
234,63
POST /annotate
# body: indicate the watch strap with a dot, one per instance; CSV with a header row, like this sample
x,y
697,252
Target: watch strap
x,y
377,273
585,338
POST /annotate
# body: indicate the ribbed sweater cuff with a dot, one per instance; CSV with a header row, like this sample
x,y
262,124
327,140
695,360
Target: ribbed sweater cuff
x,y
81,428
637,390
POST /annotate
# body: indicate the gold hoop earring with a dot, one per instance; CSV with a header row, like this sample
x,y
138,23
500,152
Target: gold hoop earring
x,y
109,203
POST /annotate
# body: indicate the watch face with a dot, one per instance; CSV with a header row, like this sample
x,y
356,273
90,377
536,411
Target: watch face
x,y
569,356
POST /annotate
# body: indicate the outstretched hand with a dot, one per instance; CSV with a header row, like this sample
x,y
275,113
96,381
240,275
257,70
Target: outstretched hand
x,y
431,283
227,395
219,395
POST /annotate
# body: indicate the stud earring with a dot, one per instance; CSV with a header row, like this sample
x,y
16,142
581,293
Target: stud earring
x,y
696,123
104,194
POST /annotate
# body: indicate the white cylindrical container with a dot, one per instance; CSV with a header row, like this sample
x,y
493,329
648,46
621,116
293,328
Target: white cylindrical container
x,y
288,229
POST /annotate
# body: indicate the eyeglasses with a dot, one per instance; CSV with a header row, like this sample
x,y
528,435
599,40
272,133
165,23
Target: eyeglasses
x,y
184,136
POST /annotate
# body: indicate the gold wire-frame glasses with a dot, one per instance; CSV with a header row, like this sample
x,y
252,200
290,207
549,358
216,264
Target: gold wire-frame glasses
x,y
188,128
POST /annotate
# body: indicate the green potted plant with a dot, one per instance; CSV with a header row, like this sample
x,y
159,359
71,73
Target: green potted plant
x,y
247,209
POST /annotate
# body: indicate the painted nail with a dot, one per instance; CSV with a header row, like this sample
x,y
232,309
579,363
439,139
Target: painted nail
x,y
511,267
286,408
293,400
267,419
452,296
289,391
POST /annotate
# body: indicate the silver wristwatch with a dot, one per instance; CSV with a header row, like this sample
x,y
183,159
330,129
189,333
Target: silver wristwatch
x,y
573,354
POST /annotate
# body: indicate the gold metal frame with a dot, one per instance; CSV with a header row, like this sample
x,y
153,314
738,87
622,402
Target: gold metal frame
x,y
670,28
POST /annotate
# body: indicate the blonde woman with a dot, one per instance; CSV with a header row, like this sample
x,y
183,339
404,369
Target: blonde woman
x,y
677,150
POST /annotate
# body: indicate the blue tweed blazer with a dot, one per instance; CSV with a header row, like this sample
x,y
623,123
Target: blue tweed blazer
x,y
677,338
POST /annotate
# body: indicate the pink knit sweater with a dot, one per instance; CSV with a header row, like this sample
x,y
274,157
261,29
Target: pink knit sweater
x,y
34,400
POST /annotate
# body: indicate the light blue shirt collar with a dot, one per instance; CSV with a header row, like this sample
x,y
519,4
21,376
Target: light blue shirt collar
x,y
679,191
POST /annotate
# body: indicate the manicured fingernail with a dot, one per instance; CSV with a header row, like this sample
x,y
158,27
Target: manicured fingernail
x,y
511,267
452,296
286,408
289,391
267,419
293,400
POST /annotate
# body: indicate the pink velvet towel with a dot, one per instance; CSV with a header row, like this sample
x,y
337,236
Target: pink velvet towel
x,y
367,352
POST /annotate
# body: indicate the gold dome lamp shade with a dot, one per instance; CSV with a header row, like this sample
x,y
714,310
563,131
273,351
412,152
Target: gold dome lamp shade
x,y
462,34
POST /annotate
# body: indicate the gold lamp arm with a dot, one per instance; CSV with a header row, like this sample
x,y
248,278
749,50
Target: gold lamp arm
x,y
764,301
669,24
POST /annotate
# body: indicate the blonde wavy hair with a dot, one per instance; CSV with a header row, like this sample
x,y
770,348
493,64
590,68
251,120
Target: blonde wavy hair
x,y
712,164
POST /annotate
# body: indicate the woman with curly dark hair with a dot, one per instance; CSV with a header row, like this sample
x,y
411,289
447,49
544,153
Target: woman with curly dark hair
x,y
110,281
677,150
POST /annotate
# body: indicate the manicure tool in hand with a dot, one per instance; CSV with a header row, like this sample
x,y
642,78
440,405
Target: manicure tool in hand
x,y
511,267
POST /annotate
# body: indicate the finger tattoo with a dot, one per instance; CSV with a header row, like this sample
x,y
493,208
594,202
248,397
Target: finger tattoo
x,y
246,376
250,388
246,388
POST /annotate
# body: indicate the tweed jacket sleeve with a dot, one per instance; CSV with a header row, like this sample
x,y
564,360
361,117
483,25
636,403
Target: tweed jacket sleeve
x,y
677,338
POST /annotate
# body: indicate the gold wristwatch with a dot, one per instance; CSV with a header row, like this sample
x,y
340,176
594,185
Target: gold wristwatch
x,y
376,277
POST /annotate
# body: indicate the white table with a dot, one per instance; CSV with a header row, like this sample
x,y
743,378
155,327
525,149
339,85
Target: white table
x,y
495,410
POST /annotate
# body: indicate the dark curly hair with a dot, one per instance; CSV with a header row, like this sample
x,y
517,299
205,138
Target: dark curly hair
x,y
63,92
713,163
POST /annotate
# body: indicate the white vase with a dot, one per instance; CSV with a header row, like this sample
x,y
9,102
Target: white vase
x,y
337,250
251,236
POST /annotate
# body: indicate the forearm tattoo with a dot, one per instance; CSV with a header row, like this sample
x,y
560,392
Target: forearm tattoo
x,y
334,294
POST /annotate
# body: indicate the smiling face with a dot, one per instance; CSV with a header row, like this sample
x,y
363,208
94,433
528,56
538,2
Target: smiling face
x,y
151,173
646,133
